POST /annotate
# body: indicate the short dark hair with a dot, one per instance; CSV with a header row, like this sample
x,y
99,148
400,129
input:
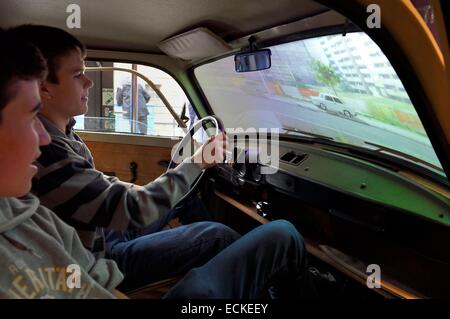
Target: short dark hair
x,y
19,60
52,42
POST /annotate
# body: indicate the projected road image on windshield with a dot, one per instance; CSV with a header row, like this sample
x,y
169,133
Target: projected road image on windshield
x,y
342,87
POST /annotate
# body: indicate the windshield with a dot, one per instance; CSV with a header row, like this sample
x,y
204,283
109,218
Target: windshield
x,y
342,87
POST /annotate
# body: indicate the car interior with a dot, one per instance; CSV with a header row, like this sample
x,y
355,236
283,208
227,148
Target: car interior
x,y
339,125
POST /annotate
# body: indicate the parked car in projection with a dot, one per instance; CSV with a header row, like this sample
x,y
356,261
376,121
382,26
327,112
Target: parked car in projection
x,y
332,103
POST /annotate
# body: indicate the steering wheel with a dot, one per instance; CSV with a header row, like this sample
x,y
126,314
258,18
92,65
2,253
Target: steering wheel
x,y
190,134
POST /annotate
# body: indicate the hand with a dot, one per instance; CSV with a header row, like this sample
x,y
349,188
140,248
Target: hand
x,y
212,152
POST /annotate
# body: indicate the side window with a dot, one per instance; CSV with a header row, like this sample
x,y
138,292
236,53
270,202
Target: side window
x,y
337,100
123,102
328,98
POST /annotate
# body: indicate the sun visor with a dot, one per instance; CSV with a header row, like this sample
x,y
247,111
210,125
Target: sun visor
x,y
195,44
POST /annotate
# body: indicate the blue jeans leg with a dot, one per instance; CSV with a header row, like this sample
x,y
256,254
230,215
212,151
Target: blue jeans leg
x,y
272,254
113,237
192,210
156,256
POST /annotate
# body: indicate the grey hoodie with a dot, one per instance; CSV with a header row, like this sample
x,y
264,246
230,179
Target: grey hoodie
x,y
42,257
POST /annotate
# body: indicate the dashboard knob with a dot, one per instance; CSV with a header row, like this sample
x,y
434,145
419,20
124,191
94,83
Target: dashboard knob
x,y
263,209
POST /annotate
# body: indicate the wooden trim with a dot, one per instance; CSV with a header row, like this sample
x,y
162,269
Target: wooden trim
x,y
337,259
129,139
247,209
331,256
111,157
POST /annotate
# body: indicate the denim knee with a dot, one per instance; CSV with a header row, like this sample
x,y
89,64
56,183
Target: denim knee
x,y
282,231
218,231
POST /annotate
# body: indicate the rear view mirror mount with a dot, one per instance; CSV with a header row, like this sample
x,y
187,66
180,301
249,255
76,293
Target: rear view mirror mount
x,y
254,60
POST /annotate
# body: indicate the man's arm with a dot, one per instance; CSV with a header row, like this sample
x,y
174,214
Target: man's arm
x,y
84,197
68,184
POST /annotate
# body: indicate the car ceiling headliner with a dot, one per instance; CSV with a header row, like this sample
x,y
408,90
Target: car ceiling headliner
x,y
138,25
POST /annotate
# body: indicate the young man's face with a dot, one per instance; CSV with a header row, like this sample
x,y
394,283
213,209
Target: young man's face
x,y
21,134
70,96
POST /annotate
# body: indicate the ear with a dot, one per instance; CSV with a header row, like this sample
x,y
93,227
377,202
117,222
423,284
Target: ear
x,y
45,90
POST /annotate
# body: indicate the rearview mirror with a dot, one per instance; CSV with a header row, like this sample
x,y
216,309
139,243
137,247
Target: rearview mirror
x,y
253,60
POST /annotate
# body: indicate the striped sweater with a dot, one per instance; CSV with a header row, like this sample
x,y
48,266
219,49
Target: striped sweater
x,y
68,183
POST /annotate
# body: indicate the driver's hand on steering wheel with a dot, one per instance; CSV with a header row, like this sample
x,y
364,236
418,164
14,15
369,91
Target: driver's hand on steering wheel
x,y
213,152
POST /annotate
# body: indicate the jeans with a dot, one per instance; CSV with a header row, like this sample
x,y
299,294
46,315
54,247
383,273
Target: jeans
x,y
146,256
271,257
216,260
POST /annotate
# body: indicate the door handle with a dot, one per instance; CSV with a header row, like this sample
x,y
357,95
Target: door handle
x,y
164,163
133,170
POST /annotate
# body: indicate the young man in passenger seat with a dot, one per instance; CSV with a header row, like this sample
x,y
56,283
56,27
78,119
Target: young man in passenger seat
x,y
218,263
41,256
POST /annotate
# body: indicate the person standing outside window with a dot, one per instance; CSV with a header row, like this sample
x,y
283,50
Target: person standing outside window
x,y
123,97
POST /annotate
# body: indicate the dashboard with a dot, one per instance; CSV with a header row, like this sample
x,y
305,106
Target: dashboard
x,y
333,199
301,167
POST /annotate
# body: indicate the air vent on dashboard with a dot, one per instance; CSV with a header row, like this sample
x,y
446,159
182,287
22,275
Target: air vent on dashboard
x,y
293,158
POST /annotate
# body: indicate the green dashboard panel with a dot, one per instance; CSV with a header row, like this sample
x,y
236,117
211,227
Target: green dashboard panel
x,y
368,181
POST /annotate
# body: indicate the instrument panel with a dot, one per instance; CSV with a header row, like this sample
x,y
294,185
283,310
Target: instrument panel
x,y
299,167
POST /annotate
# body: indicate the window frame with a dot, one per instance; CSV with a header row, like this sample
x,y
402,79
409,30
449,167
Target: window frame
x,y
173,113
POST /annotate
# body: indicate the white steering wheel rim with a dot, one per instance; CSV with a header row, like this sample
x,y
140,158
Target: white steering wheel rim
x,y
194,186
194,127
